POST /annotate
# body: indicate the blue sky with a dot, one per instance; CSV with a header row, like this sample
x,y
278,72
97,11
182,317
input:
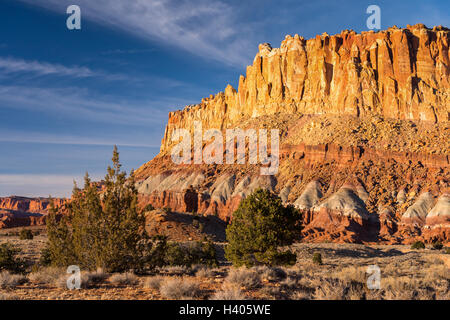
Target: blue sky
x,y
66,97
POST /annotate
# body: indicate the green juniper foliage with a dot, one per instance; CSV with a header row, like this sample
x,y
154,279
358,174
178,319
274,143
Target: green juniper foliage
x,y
418,245
26,234
260,225
9,260
99,230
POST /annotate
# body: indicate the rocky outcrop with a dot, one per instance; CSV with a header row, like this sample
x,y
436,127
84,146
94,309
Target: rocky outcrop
x,y
417,213
397,73
364,148
20,211
310,196
437,226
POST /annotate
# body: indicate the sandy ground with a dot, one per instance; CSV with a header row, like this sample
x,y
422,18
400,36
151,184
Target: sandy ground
x,y
404,274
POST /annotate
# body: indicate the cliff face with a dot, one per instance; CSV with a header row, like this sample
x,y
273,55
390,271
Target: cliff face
x,y
21,211
364,137
398,73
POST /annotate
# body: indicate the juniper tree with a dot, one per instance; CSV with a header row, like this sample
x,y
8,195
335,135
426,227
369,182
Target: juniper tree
x,y
260,225
99,229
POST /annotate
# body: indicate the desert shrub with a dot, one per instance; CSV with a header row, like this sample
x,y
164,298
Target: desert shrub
x,y
317,258
196,222
26,234
153,282
46,275
45,259
418,245
163,253
99,231
242,277
447,250
10,281
179,288
205,272
127,278
96,277
148,208
437,245
167,210
229,293
8,296
9,260
271,274
259,226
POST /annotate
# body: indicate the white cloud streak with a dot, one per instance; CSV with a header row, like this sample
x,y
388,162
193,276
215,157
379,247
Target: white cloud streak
x,y
80,103
207,28
45,138
13,65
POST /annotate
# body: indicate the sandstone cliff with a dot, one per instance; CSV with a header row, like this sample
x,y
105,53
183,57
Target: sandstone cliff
x,y
397,73
20,211
364,137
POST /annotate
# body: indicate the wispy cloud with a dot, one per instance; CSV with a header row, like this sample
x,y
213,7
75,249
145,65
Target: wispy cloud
x,y
15,65
64,139
208,28
83,104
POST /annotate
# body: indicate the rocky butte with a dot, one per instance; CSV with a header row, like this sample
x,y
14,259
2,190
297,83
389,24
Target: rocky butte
x,y
364,137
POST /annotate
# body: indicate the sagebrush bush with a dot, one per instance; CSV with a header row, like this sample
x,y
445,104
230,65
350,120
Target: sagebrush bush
x,y
242,277
26,234
271,273
153,282
10,281
205,272
260,225
437,245
418,245
46,275
8,296
179,288
128,278
317,258
229,293
9,260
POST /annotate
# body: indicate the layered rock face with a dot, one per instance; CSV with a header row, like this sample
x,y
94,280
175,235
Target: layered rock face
x,y
364,137
397,73
21,211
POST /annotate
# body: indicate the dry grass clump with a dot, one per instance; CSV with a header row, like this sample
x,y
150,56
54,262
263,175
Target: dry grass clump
x,y
229,293
95,277
205,273
8,296
46,275
153,282
124,279
175,270
356,274
179,289
271,274
10,281
57,277
242,277
335,289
